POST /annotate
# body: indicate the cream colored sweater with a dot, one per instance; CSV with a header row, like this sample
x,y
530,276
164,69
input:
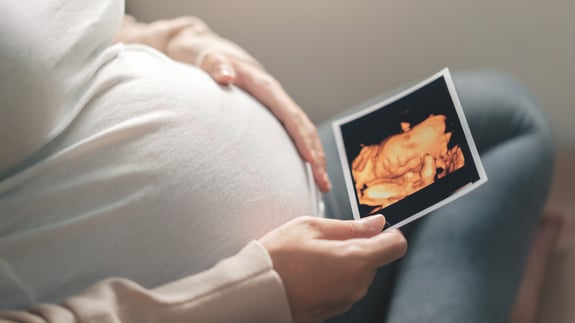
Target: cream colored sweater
x,y
116,161
243,288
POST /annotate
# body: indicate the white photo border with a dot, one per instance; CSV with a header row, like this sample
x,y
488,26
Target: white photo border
x,y
336,125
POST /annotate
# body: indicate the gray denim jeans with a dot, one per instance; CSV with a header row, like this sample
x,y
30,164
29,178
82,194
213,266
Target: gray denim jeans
x,y
465,261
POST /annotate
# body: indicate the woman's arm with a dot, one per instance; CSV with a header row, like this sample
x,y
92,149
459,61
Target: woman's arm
x,y
189,40
242,288
325,265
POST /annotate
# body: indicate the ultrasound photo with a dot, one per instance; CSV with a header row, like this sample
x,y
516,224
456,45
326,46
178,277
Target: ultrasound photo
x,y
410,154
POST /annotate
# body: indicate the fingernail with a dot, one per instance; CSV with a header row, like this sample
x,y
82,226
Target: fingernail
x,y
327,181
224,71
373,223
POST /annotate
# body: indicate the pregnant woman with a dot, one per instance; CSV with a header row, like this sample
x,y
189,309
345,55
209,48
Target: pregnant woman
x,y
166,156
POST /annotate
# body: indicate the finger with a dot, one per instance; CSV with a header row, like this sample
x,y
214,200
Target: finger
x,y
320,169
307,141
129,19
161,32
384,247
174,26
302,131
219,67
332,229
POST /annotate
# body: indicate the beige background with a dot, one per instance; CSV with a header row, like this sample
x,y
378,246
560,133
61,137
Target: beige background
x,y
333,54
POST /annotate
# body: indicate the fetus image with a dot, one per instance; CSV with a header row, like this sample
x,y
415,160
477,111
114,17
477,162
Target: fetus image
x,y
405,163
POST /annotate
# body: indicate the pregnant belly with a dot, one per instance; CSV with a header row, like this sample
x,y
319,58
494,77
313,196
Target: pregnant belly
x,y
163,174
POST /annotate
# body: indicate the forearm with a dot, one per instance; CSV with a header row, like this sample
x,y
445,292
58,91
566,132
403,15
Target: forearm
x,y
216,295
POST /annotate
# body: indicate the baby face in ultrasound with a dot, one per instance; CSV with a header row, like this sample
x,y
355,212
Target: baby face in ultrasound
x,y
404,163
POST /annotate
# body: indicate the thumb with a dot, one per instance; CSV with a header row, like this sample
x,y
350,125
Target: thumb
x,y
342,230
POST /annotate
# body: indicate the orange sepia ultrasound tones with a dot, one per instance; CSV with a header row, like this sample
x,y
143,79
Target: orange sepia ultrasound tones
x,y
409,154
404,163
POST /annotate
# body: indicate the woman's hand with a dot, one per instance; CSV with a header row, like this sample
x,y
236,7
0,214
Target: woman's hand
x,y
327,265
189,40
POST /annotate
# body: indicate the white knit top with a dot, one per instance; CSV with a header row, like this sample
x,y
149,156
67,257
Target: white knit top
x,y
117,161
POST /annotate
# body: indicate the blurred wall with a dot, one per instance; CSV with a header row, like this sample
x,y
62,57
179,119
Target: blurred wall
x,y
333,54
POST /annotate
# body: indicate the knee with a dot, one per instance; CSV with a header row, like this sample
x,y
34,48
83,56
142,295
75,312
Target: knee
x,y
501,95
501,108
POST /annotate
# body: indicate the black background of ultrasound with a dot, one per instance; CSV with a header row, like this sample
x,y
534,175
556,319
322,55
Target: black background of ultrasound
x,y
372,128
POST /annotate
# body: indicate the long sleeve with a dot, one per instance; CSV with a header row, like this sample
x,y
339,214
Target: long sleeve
x,y
242,288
